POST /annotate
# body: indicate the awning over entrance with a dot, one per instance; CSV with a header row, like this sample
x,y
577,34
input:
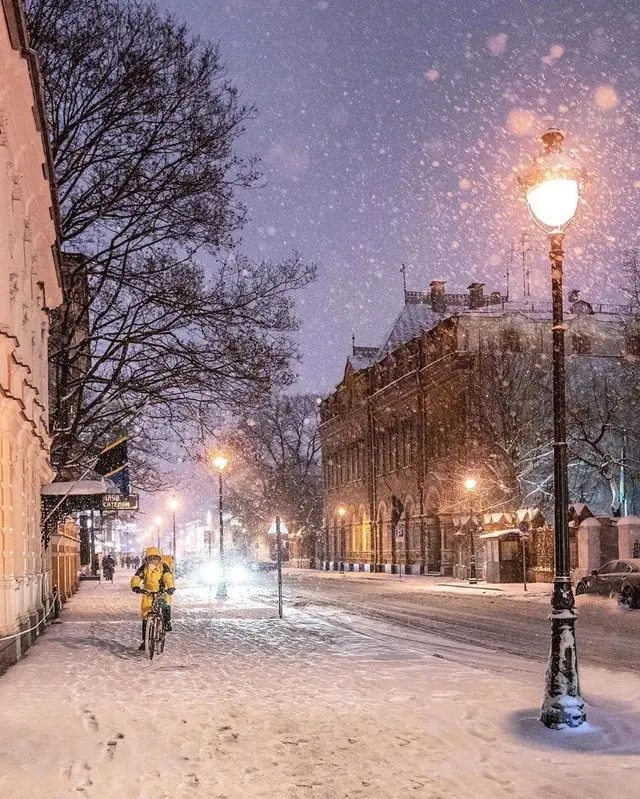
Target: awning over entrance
x,y
500,533
74,488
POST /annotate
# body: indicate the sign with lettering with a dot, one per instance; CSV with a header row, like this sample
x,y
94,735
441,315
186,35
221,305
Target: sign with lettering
x,y
120,502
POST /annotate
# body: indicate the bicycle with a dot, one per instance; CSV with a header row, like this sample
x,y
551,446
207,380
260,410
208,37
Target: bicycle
x,y
154,634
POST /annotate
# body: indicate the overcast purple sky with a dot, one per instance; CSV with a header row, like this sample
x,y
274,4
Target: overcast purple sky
x,y
388,131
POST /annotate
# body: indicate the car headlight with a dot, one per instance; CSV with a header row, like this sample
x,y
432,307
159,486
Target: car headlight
x,y
210,572
239,574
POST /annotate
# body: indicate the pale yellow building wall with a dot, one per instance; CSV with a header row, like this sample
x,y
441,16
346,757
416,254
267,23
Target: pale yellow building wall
x,y
29,285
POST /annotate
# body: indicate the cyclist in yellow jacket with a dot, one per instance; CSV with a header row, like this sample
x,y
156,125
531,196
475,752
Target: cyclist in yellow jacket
x,y
153,576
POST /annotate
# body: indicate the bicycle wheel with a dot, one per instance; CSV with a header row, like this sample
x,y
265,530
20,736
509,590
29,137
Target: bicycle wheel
x,y
160,638
150,637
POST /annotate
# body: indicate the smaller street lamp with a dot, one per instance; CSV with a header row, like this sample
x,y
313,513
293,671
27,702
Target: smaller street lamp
x,y
220,463
470,485
173,506
158,525
342,511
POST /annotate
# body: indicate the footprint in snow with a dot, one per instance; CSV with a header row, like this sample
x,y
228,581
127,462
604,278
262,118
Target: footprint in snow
x,y
90,720
112,743
86,781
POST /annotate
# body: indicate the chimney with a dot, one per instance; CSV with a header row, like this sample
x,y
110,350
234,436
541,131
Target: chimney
x,y
476,300
495,298
438,299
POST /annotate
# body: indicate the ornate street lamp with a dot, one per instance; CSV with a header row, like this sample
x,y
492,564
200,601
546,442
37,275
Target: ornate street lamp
x,y
470,485
552,187
220,463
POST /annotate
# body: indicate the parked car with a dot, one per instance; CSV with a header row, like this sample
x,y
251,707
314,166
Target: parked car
x,y
616,578
264,565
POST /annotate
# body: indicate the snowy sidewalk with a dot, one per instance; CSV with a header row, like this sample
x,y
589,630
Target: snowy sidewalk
x,y
244,706
536,592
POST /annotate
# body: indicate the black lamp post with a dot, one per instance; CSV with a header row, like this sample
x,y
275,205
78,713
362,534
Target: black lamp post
x,y
470,485
552,187
220,464
341,512
174,505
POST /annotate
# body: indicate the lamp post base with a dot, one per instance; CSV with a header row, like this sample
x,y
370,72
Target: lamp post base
x,y
221,593
473,574
562,705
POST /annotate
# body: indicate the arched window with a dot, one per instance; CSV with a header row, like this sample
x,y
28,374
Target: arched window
x,y
633,344
581,344
510,340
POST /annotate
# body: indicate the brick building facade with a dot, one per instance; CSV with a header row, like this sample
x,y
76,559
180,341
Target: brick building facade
x,y
398,435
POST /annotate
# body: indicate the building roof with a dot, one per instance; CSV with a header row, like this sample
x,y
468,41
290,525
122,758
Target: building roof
x,y
410,322
418,315
357,362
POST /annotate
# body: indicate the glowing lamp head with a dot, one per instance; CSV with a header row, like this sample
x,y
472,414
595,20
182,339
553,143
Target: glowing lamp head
x,y
470,484
174,504
220,463
158,521
553,184
342,511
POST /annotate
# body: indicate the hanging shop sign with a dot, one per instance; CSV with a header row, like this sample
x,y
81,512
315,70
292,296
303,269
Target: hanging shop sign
x,y
120,502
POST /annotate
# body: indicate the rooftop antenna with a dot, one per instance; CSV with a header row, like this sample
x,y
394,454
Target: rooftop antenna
x,y
403,269
525,267
353,343
512,255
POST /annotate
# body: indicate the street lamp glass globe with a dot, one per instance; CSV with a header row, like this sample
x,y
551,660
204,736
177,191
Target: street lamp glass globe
x,y
158,521
552,184
554,201
342,511
174,504
470,483
220,463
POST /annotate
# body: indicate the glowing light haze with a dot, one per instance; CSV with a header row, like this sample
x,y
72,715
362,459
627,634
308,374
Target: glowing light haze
x,y
390,131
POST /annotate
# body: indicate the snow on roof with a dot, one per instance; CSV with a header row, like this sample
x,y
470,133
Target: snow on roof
x,y
358,362
500,533
418,315
77,488
410,322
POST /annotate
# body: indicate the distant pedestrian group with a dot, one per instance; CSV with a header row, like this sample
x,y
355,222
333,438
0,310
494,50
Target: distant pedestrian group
x,y
129,561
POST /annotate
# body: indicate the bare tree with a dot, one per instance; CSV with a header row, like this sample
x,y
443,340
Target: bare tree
x,y
510,410
176,328
276,466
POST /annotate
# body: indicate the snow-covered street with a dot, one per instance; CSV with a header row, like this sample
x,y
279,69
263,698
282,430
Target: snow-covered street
x,y
322,704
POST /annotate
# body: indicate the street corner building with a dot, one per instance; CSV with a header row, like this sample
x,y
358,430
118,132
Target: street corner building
x,y
459,394
30,286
